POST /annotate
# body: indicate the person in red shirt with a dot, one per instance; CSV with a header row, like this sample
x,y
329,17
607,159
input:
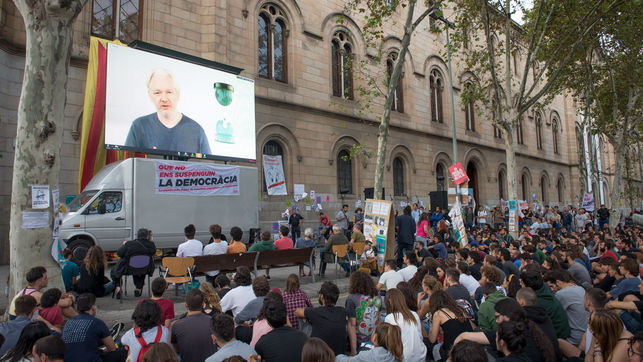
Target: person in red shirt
x,y
324,225
159,285
283,243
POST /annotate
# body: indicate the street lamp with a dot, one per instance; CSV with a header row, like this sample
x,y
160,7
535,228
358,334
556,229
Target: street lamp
x,y
438,15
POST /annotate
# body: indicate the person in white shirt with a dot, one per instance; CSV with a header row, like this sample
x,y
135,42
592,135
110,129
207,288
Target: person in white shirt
x,y
409,271
482,216
466,279
237,298
216,247
390,278
191,246
400,315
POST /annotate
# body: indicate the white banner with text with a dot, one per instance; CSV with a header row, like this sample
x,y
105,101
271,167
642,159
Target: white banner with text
x,y
197,179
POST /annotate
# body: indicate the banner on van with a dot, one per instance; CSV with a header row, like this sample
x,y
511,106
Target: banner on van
x,y
180,178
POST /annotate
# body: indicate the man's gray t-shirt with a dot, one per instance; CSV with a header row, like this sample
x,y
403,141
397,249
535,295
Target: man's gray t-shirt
x,y
343,223
571,298
233,348
147,132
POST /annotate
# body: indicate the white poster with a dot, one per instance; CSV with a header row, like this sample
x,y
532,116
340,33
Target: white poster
x,y
39,197
512,221
273,172
588,202
458,225
299,190
198,179
55,195
35,219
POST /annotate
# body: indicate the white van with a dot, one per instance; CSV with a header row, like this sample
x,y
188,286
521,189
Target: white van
x,y
121,199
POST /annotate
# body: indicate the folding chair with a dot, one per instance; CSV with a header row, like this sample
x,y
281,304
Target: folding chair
x,y
137,265
179,271
340,253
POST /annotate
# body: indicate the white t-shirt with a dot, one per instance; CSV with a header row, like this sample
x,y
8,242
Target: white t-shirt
x,y
581,220
390,279
192,247
469,282
482,217
414,348
129,339
408,272
215,249
237,298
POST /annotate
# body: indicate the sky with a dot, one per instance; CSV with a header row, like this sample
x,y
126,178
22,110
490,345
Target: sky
x,y
517,16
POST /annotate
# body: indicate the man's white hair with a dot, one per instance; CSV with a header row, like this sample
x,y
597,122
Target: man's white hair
x,y
308,232
162,73
336,227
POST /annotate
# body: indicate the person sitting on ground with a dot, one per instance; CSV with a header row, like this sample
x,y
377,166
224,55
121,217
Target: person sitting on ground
x,y
216,247
387,346
237,299
411,329
466,279
145,330
23,348
316,350
327,255
49,349
390,278
191,335
449,318
70,271
306,242
24,309
260,287
236,245
211,300
92,274
508,266
264,244
455,289
84,333
36,281
142,245
511,341
430,285
159,286
294,298
160,352
261,326
328,321
222,285
635,351
629,268
191,246
527,299
50,310
467,351
486,316
271,346
571,297
574,257
222,328
421,251
363,305
439,247
409,271
547,300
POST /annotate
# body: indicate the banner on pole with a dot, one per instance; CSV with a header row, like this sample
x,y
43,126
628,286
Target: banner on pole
x,y
588,202
458,225
273,172
198,179
458,173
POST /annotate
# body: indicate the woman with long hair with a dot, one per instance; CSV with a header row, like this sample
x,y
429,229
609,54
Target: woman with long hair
x,y
28,337
511,340
294,298
423,228
387,342
261,326
316,350
92,274
441,272
449,318
410,295
146,319
400,315
211,300
610,339
416,281
363,306
430,285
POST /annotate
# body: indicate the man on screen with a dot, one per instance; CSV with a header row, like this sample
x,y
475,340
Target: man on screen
x,y
167,129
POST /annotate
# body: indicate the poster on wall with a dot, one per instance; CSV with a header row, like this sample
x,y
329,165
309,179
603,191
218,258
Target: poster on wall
x,y
273,172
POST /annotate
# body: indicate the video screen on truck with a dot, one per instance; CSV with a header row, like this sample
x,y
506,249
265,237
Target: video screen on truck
x,y
160,105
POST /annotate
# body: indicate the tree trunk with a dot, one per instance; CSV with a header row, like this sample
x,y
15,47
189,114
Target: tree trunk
x,y
615,196
510,156
49,28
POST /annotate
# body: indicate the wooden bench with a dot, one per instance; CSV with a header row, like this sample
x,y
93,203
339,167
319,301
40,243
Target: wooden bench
x,y
284,258
225,262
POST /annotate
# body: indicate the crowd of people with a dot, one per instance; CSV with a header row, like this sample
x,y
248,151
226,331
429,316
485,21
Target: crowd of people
x,y
548,294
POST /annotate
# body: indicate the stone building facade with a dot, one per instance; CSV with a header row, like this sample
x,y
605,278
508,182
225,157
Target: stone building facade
x,y
305,116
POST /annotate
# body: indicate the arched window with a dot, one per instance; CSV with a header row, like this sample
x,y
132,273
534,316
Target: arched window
x,y
122,20
561,187
554,132
398,177
272,43
525,189
543,188
439,177
342,66
497,133
344,172
470,113
397,104
539,131
519,138
501,185
272,148
437,86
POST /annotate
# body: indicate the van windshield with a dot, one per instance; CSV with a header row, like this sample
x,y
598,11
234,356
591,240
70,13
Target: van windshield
x,y
80,200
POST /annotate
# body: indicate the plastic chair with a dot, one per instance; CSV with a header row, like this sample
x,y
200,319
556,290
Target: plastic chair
x,y
179,271
358,248
340,252
137,265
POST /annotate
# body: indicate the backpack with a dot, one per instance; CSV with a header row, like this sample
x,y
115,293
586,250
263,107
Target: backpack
x,y
144,345
464,304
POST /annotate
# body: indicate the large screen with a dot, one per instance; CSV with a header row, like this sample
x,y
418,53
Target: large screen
x,y
157,104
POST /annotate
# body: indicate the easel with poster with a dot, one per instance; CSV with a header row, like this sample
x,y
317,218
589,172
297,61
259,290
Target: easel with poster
x,y
379,227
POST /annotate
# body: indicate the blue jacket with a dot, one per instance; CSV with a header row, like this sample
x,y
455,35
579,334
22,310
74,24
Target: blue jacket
x,y
435,218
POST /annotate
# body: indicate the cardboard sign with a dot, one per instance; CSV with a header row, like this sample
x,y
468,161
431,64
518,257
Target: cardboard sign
x,y
458,173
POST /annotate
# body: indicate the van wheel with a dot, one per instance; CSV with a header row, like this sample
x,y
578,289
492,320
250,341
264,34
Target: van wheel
x,y
79,248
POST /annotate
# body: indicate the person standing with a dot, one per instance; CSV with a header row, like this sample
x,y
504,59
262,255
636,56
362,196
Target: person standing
x,y
405,226
415,213
294,221
603,217
482,216
342,218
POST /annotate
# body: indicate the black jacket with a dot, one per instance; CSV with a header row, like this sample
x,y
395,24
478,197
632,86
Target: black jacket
x,y
129,249
538,315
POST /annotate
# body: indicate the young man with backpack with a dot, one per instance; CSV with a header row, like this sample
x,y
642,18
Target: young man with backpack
x,y
147,330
